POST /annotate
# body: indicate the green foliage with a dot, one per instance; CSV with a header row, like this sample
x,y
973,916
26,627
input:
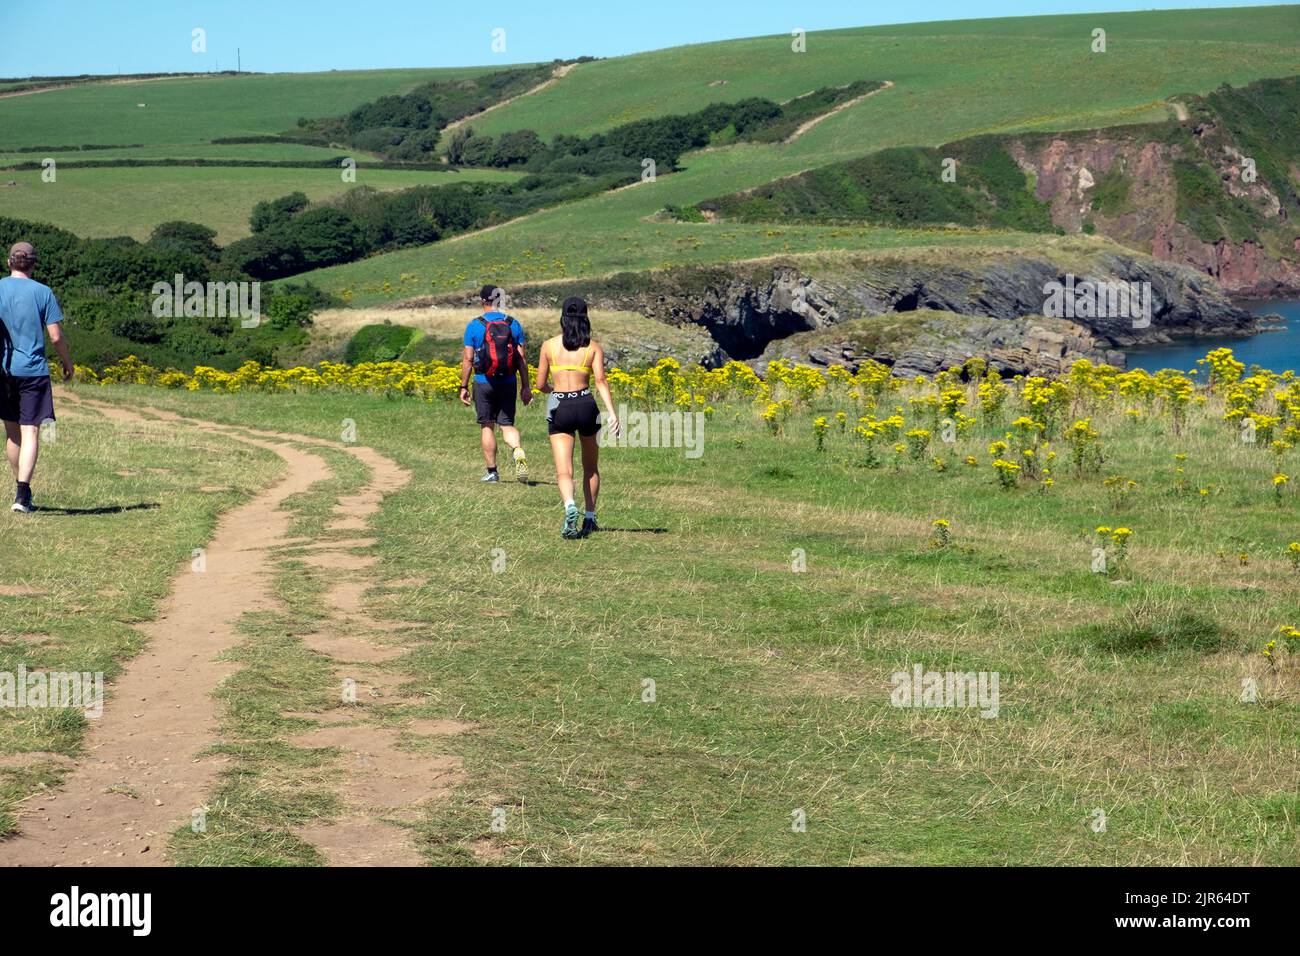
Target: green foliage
x,y
407,112
663,138
366,220
1206,207
684,213
289,311
902,186
1264,120
276,212
106,290
514,149
318,237
186,237
1111,190
803,108
378,343
407,127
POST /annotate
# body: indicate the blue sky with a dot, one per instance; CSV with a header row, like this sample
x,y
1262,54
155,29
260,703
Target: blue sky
x,y
64,37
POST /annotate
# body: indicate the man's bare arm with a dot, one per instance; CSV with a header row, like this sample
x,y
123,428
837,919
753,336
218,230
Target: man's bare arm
x,y
60,343
466,362
525,386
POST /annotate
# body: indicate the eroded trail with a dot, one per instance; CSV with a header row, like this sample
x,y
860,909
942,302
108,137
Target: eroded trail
x,y
143,773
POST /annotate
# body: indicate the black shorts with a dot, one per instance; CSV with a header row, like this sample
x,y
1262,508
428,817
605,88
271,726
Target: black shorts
x,y
26,400
569,412
494,401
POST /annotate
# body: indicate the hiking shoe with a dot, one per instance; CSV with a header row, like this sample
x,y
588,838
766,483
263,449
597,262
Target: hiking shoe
x,y
490,476
588,526
571,516
521,464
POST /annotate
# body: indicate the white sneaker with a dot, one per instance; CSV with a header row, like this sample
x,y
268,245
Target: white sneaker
x,y
521,464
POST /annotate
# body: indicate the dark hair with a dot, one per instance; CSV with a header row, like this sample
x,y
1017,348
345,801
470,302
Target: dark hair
x,y
490,293
575,327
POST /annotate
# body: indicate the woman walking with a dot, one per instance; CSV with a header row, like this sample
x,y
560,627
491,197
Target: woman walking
x,y
575,362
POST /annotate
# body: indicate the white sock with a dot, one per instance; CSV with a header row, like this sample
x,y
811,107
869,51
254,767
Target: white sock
x,y
569,504
591,515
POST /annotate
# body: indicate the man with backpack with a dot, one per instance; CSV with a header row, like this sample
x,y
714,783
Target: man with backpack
x,y
494,354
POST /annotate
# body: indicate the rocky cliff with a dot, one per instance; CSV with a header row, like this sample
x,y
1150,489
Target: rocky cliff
x,y
1216,187
992,305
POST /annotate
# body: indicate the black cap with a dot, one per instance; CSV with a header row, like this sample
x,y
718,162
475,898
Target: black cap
x,y
574,306
489,293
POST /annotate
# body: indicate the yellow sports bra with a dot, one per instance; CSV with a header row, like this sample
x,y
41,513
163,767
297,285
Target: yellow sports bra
x,y
586,358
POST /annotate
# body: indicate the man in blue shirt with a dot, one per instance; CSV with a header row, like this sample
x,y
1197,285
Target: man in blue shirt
x,y
494,352
27,311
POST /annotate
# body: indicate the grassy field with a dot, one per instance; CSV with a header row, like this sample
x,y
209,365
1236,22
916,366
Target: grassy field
x,y
97,203
257,152
977,77
990,75
1119,693
183,112
951,80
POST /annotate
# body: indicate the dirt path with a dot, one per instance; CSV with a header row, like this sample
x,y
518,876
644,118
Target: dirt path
x,y
142,775
559,73
806,126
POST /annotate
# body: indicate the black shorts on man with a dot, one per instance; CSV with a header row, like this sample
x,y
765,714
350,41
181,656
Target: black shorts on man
x,y
569,412
27,400
494,401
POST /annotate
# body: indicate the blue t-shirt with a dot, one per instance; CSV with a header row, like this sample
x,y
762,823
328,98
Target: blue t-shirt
x,y
476,332
26,308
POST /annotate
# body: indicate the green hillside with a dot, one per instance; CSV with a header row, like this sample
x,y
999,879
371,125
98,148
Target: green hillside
x,y
951,81
185,111
179,120
99,203
1004,73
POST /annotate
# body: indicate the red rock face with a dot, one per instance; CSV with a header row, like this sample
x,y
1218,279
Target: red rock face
x,y
1243,269
1066,167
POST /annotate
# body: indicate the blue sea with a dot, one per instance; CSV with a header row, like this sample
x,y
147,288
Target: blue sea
x,y
1278,351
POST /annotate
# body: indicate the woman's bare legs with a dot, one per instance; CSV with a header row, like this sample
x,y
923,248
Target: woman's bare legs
x,y
590,471
562,451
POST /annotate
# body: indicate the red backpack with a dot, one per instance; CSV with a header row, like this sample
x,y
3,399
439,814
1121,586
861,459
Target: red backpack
x,y
497,356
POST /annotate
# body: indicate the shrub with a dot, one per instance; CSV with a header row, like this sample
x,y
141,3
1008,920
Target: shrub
x,y
186,237
276,212
378,343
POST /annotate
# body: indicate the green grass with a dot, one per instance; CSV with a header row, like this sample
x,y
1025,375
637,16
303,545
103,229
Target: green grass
x,y
772,687
261,152
951,81
83,609
98,203
182,112
991,75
